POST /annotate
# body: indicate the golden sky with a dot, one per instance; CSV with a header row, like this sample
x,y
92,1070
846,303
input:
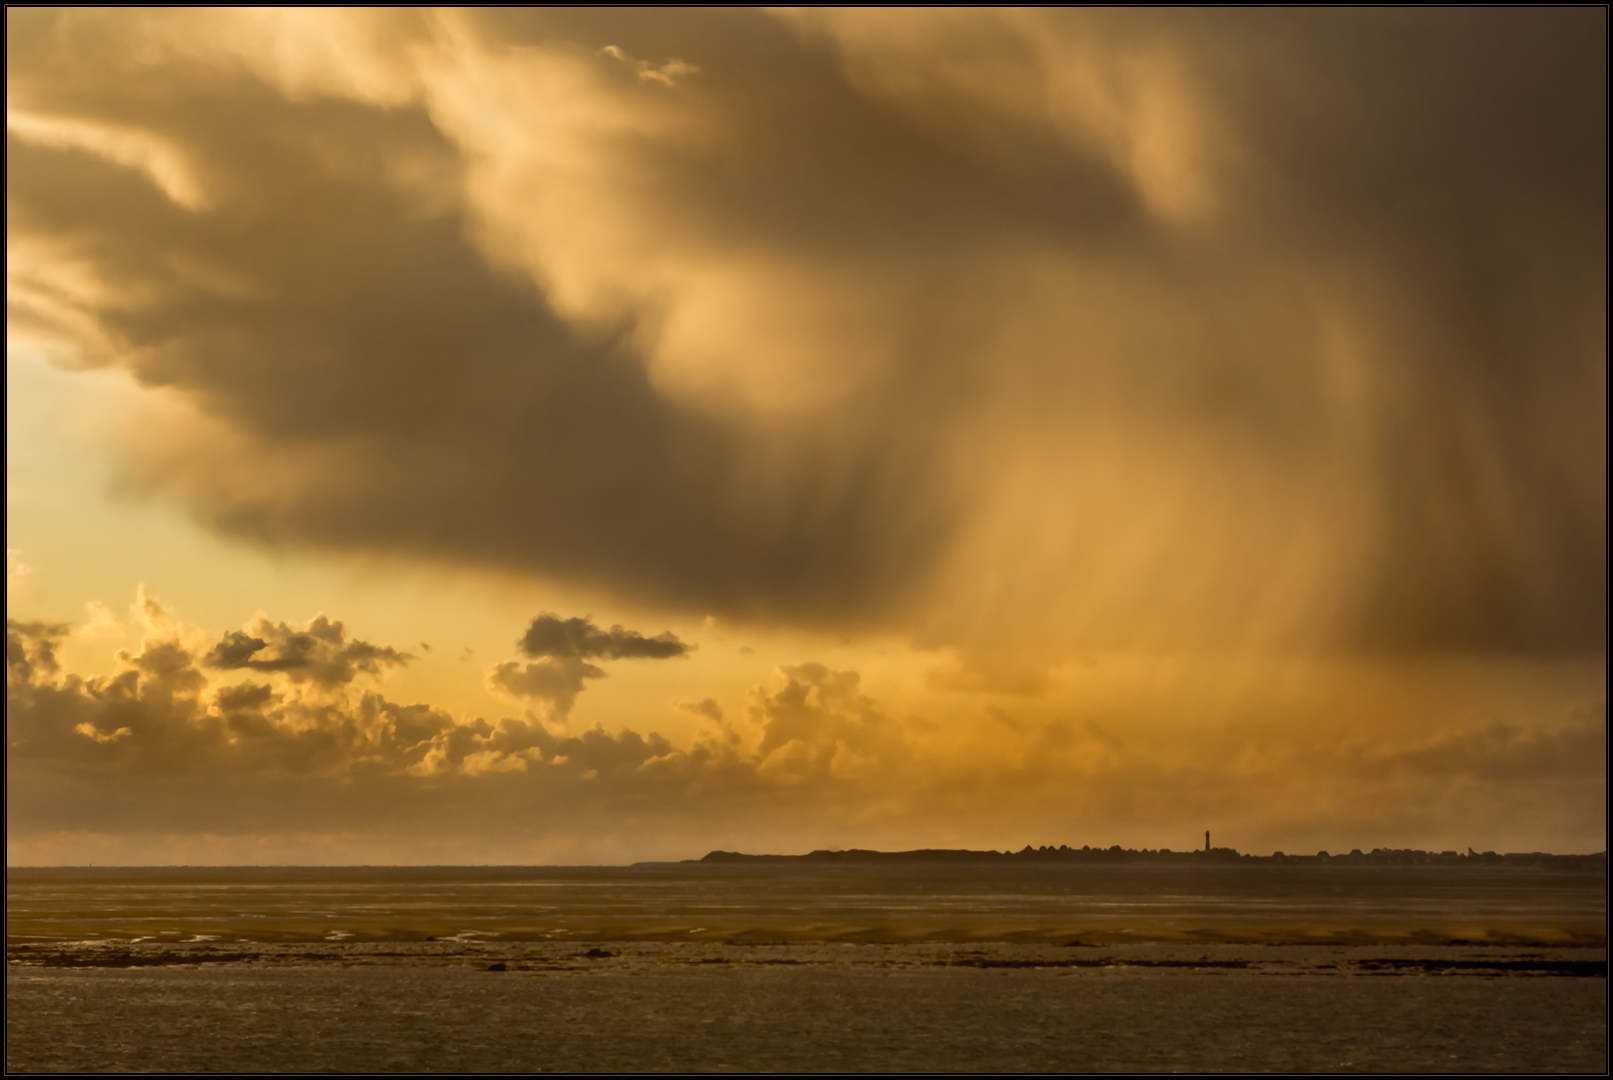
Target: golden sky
x,y
534,436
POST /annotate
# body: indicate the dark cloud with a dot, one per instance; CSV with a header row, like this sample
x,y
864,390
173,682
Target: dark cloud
x,y
1569,752
550,635
317,304
31,649
1011,331
562,649
1462,162
320,652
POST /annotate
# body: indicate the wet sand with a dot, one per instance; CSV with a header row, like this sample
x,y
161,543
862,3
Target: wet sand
x,y
1427,906
624,956
767,969
814,1007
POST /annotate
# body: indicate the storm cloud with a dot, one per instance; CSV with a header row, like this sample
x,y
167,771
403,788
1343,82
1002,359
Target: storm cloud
x,y
1014,332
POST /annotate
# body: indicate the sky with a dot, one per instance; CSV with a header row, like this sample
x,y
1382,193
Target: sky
x,y
572,436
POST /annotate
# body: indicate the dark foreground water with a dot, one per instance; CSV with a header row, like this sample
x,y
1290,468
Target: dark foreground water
x,y
698,969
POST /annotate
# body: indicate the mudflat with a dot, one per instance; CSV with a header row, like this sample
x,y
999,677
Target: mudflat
x,y
1053,904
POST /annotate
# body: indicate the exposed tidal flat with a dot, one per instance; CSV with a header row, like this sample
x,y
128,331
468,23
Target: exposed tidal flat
x,y
703,967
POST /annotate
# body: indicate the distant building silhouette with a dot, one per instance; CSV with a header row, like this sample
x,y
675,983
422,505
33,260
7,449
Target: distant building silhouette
x,y
1116,854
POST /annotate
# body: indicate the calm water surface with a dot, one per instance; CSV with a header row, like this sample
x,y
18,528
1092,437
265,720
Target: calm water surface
x,y
773,969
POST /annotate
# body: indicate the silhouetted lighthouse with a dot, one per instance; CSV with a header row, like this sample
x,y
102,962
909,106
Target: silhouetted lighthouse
x,y
1206,839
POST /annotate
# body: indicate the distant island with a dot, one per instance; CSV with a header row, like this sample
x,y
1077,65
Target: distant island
x,y
1219,856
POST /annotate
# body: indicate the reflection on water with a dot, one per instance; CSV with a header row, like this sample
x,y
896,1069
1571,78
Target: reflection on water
x,y
852,1016
794,903
779,968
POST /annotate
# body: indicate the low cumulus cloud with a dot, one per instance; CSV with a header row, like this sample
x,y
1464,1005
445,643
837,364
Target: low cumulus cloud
x,y
562,649
815,722
552,684
175,741
31,649
165,712
170,709
552,636
320,652
1016,332
101,623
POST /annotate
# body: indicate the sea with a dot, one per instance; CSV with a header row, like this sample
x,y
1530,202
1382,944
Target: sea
x,y
794,967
